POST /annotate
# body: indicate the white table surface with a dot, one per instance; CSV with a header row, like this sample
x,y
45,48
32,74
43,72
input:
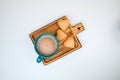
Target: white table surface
x,y
98,59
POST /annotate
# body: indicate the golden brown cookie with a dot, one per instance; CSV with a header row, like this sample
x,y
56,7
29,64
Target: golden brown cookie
x,y
61,35
69,42
63,24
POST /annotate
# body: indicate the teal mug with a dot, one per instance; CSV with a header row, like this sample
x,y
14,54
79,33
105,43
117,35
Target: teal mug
x,y
46,45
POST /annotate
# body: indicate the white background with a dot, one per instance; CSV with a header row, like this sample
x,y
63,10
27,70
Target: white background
x,y
98,59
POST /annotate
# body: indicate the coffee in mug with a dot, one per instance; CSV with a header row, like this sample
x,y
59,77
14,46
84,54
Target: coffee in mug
x,y
46,45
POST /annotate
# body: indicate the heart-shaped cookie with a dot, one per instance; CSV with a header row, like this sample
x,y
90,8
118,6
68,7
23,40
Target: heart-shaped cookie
x,y
69,42
63,24
61,35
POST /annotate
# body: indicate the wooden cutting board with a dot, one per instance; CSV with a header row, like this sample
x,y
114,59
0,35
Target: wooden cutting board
x,y
52,28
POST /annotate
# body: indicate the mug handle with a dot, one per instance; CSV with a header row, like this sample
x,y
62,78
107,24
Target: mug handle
x,y
39,59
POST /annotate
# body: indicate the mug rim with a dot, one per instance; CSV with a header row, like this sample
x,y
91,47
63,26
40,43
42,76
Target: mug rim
x,y
41,35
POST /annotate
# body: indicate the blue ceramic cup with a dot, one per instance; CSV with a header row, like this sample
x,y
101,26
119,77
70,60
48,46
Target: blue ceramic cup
x,y
40,53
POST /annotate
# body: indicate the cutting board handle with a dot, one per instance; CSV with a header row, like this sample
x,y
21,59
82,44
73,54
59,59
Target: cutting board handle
x,y
77,28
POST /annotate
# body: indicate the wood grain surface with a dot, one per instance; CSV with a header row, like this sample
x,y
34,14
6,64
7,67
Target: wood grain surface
x,y
52,28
